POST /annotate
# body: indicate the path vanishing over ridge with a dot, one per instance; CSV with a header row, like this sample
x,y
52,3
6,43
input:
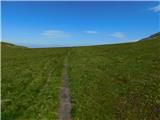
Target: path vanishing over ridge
x,y
65,102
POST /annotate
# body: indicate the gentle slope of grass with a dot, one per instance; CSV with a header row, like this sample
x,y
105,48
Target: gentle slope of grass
x,y
30,83
108,82
116,82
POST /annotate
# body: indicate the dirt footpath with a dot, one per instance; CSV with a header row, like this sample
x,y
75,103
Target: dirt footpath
x,y
65,102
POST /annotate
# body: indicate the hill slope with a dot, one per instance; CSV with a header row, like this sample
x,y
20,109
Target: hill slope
x,y
153,37
10,45
108,82
116,82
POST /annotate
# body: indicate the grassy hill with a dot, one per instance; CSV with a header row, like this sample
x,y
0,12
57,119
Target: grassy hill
x,y
30,83
107,82
152,37
116,82
10,45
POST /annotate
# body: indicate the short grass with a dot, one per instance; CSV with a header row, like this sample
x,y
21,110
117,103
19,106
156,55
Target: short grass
x,y
113,82
116,82
30,83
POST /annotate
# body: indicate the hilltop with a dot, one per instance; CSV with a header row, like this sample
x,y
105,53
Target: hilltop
x,y
10,45
152,37
155,36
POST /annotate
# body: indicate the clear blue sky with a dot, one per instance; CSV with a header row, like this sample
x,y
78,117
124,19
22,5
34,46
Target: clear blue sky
x,y
46,24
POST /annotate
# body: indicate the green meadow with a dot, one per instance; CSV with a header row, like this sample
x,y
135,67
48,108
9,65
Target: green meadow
x,y
107,82
30,83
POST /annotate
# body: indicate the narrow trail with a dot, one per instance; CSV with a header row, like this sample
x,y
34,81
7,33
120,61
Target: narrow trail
x,y
65,102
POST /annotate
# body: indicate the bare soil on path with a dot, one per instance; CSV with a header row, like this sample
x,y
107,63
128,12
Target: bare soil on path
x,y
65,101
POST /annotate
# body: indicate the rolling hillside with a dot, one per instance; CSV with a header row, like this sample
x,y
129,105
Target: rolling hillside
x,y
152,37
30,83
107,82
116,82
10,45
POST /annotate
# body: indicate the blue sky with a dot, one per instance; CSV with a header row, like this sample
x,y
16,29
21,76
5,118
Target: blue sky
x,y
47,24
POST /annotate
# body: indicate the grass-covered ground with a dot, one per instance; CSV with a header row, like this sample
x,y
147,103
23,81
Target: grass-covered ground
x,y
110,82
116,82
30,83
